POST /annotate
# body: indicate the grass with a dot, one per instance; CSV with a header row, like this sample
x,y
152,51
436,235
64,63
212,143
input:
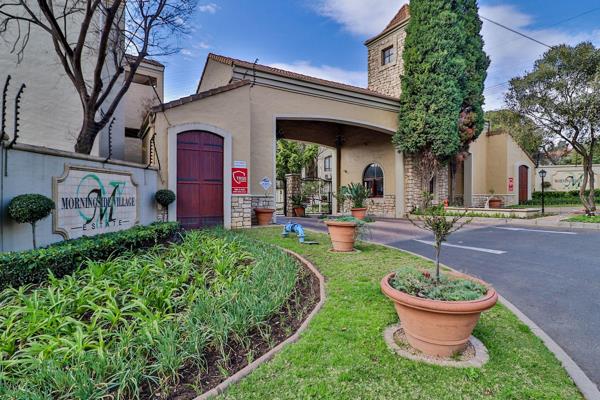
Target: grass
x,y
133,324
490,215
342,355
539,205
595,219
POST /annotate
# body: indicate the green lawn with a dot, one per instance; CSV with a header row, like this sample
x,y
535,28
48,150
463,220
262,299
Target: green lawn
x,y
343,356
585,218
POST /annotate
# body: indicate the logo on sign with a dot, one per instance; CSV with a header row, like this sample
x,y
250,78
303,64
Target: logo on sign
x,y
265,183
239,180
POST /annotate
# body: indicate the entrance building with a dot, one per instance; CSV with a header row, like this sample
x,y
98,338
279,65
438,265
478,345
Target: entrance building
x,y
229,129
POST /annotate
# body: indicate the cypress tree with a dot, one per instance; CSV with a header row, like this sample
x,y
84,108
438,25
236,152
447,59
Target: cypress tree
x,y
442,86
477,62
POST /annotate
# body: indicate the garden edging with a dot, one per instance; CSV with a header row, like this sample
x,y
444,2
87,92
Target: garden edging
x,y
241,374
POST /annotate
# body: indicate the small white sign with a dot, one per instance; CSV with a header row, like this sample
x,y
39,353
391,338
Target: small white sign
x,y
90,201
240,164
266,183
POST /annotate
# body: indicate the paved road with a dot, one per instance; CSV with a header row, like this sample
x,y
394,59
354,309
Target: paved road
x,y
551,275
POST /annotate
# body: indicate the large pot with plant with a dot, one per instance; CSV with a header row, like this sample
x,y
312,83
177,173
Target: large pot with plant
x,y
298,205
438,310
494,202
356,193
264,215
343,232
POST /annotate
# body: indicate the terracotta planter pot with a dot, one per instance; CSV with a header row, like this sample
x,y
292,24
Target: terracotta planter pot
x,y
495,203
438,328
299,211
342,234
359,213
264,215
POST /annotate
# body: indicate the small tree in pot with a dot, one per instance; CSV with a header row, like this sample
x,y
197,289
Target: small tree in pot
x,y
438,312
165,197
30,208
356,193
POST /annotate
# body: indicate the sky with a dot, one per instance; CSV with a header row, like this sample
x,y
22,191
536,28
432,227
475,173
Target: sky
x,y
324,38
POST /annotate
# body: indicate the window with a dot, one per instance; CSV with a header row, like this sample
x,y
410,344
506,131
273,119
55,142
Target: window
x,y
327,164
387,55
373,180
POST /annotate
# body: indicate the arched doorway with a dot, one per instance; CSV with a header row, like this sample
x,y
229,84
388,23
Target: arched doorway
x,y
523,184
199,179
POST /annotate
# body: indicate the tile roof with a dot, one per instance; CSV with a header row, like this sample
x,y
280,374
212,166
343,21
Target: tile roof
x,y
297,76
132,57
401,16
199,96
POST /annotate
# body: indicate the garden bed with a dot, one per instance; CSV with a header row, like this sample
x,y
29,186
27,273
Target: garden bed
x,y
343,354
588,219
170,323
518,213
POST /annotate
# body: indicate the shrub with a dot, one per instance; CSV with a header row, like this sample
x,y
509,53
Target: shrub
x,y
357,193
30,208
164,197
34,266
422,283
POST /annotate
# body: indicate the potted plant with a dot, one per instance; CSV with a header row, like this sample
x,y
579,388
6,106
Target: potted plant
x,y
30,208
494,202
356,193
343,232
298,205
264,215
438,310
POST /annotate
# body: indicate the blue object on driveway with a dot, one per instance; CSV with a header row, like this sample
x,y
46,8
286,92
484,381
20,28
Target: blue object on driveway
x,y
292,227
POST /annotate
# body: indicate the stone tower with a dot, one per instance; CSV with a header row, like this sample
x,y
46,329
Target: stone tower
x,y
385,70
385,55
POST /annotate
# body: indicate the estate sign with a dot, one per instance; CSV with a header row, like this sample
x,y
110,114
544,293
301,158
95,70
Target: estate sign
x,y
90,201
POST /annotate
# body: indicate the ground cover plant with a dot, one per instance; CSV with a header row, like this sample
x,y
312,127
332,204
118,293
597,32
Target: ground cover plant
x,y
342,355
63,258
585,218
420,283
129,327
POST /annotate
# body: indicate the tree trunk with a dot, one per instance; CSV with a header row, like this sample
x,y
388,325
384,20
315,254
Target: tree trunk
x,y
588,201
438,249
33,231
87,134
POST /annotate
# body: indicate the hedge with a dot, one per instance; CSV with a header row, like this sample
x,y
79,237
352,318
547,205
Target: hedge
x,y
34,266
558,198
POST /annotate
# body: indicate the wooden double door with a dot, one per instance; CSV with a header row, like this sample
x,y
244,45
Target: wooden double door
x,y
199,179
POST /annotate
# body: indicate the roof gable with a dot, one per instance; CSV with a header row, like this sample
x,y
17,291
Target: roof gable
x,y
400,18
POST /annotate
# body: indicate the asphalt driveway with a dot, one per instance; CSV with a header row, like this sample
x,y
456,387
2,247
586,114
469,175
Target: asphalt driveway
x,y
551,275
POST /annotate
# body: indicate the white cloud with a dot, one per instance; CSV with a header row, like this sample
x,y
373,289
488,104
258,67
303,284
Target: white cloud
x,y
513,55
356,78
510,53
360,17
209,8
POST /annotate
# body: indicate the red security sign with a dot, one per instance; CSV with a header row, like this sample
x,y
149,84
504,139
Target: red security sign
x,y
239,180
511,184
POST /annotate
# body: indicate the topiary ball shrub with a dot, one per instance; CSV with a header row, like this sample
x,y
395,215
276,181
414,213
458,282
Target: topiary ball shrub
x,y
164,197
30,208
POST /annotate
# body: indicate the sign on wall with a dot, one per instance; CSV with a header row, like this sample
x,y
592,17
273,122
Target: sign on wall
x,y
90,201
239,178
511,184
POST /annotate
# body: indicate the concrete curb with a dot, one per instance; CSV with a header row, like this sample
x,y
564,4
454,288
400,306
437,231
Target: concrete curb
x,y
586,386
238,376
588,389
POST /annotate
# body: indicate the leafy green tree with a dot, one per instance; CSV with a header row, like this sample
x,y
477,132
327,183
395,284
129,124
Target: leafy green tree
x,y
520,127
293,156
561,95
442,86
